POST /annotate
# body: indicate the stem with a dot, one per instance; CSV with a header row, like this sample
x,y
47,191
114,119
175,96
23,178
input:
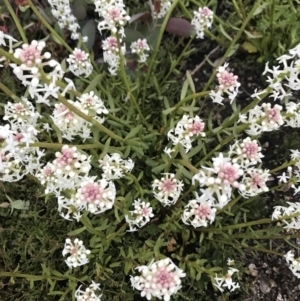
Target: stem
x,y
78,146
177,61
233,42
90,119
155,52
127,85
9,93
16,21
48,26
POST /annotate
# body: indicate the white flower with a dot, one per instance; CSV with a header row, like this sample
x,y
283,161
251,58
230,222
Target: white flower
x,y
78,253
203,19
114,167
95,196
140,47
186,131
61,10
294,263
79,63
167,190
226,281
198,213
159,279
164,6
140,216
89,294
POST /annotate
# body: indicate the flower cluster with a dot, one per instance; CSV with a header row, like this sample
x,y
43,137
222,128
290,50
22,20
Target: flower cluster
x,y
66,171
71,124
203,19
31,58
160,8
246,152
167,190
198,213
114,16
264,118
159,279
79,63
114,167
78,253
237,171
95,196
140,216
292,211
294,263
228,84
61,10
111,54
140,47
186,130
226,281
89,294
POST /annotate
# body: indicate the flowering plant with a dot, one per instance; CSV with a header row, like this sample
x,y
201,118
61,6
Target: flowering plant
x,y
156,189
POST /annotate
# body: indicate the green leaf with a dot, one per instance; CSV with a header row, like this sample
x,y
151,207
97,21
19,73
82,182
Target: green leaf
x,y
77,231
89,30
168,111
190,81
184,89
249,47
93,84
225,33
134,132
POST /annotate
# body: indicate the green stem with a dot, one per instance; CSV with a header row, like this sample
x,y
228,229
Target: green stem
x,y
16,21
233,42
48,26
156,49
177,61
90,119
128,88
9,93
78,146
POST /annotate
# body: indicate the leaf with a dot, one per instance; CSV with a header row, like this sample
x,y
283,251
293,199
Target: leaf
x,y
180,27
77,231
134,131
190,81
249,47
168,111
225,33
143,17
79,9
184,89
89,30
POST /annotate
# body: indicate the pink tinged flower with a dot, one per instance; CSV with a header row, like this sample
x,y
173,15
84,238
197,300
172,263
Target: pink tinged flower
x,y
159,279
228,173
89,294
203,211
196,127
110,44
140,216
198,213
273,114
30,55
78,253
250,149
227,80
257,181
203,19
167,189
96,196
